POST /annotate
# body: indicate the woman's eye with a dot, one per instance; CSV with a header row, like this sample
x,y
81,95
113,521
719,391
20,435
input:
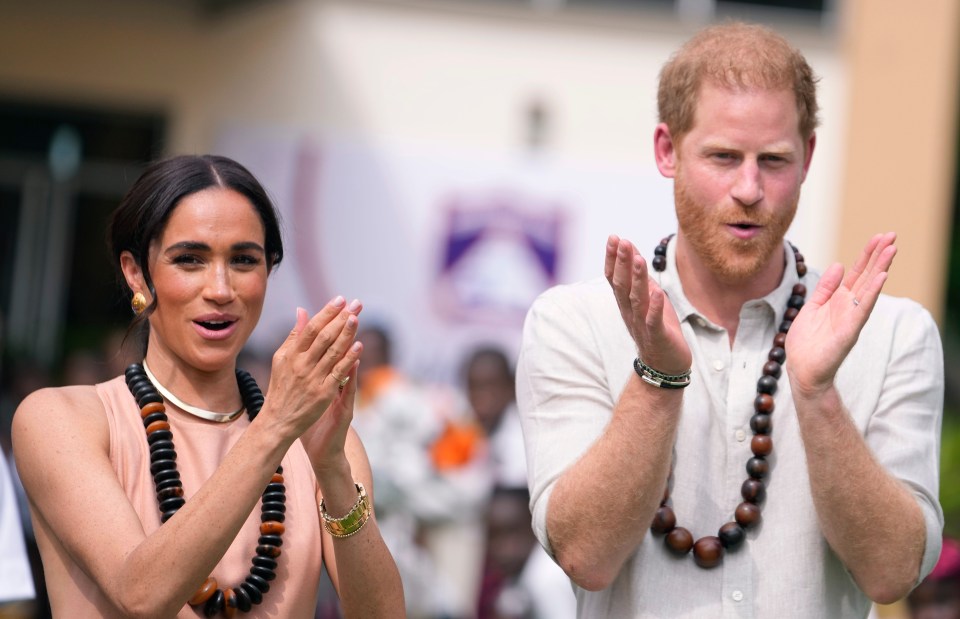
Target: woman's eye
x,y
246,260
186,259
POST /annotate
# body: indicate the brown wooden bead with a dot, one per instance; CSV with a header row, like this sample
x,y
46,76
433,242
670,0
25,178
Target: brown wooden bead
x,y
167,493
708,552
679,540
747,514
267,550
763,403
151,408
801,269
206,590
800,290
276,479
272,527
157,426
229,603
664,520
761,444
753,491
772,368
790,313
780,339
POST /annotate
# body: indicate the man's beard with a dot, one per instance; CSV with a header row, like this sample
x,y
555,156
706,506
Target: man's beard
x,y
731,259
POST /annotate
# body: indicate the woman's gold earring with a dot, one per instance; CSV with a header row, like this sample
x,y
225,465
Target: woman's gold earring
x,y
138,303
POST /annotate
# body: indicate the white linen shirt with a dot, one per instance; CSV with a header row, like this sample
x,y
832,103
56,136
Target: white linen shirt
x,y
575,360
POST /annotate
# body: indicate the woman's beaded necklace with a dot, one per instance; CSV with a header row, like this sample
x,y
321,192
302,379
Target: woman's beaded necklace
x,y
166,478
708,551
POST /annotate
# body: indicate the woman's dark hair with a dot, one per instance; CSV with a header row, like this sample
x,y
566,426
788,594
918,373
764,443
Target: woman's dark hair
x,y
144,212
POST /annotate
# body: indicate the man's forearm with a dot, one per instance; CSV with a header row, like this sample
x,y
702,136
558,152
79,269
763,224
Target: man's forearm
x,y
603,504
870,519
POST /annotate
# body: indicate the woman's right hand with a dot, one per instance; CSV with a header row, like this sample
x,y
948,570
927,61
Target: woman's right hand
x,y
309,365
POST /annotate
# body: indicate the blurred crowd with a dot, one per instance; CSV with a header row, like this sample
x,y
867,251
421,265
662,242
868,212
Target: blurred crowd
x,y
449,471
451,491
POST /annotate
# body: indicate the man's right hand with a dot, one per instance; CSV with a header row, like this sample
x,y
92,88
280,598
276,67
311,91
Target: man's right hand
x,y
646,310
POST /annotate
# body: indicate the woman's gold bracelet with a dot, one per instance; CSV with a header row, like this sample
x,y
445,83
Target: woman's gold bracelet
x,y
353,521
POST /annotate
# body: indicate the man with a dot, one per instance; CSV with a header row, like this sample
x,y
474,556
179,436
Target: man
x,y
620,436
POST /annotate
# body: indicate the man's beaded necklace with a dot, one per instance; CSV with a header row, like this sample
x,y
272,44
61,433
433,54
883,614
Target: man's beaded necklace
x,y
163,466
708,551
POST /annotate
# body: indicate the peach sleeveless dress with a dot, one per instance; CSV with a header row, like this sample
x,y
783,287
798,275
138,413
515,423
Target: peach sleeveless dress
x,y
200,446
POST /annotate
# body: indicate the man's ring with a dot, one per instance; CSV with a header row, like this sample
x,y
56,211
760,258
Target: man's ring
x,y
855,302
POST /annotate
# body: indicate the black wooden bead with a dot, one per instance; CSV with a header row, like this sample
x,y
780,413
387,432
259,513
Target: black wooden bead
x,y
161,445
141,389
267,562
660,250
777,354
258,582
214,605
761,424
167,515
280,470
275,506
767,384
270,540
731,535
252,592
757,467
274,497
753,490
172,504
785,326
274,487
243,600
264,573
795,301
154,417
140,383
168,483
171,491
267,515
162,465
659,263
160,435
132,370
163,454
163,476
149,399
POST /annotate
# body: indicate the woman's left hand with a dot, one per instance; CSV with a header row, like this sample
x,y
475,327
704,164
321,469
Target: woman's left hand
x,y
324,441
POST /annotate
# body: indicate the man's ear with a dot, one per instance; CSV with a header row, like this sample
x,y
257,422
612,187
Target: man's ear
x,y
133,274
665,151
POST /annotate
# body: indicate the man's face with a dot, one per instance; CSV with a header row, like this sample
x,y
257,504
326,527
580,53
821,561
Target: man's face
x,y
737,177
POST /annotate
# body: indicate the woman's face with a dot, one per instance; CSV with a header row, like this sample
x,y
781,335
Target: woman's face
x,y
209,271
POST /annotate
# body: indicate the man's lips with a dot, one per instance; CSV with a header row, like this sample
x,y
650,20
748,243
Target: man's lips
x,y
744,230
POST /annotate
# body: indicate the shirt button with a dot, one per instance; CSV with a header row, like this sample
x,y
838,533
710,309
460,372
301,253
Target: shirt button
x,y
701,322
741,436
718,365
737,596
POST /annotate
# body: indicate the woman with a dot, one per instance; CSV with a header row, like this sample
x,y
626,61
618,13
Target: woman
x,y
250,504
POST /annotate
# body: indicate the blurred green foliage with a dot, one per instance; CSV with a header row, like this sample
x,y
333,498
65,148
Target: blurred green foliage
x,y
950,473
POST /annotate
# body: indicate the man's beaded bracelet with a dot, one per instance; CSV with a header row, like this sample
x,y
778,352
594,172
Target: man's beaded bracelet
x,y
659,379
353,521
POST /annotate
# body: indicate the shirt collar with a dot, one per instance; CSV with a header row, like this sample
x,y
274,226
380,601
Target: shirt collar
x,y
776,300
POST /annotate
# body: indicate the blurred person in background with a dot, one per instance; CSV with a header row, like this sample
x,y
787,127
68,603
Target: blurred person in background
x,y
520,580
638,395
491,392
429,462
938,596
16,577
219,499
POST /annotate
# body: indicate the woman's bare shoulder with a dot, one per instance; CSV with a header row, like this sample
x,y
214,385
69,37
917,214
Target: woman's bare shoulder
x,y
70,410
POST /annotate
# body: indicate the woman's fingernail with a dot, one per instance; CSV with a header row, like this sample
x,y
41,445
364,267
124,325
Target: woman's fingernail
x,y
352,320
337,301
354,305
356,346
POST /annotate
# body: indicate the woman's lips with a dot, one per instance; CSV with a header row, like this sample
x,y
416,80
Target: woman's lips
x,y
215,329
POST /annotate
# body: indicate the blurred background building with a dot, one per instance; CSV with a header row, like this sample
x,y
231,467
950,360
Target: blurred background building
x,y
443,160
